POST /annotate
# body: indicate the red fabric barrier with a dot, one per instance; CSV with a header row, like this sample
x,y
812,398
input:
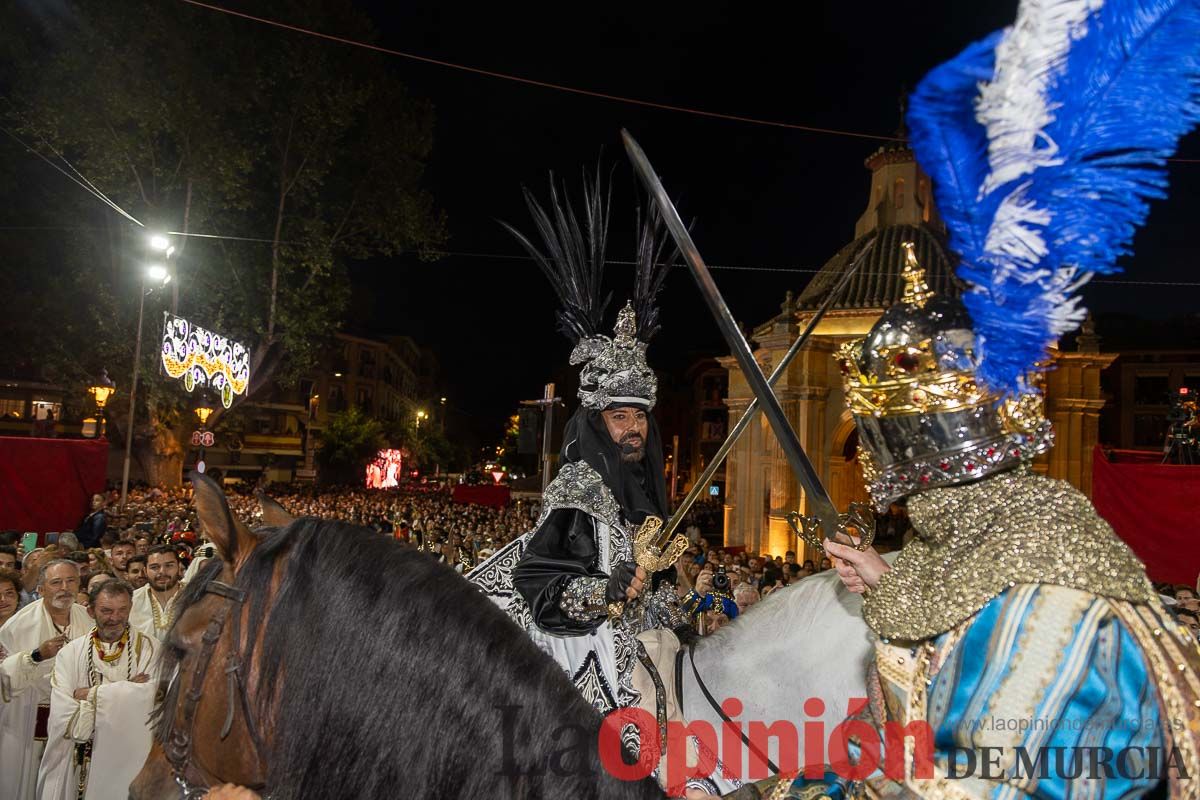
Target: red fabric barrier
x,y
47,484
497,496
1153,507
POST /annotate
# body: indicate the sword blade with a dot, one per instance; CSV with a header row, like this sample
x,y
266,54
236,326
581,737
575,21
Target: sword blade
x,y
789,442
751,412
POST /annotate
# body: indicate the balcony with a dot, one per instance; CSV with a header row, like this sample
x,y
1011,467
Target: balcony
x,y
280,444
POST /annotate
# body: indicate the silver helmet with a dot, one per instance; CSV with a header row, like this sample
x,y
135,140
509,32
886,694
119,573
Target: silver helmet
x,y
615,369
923,420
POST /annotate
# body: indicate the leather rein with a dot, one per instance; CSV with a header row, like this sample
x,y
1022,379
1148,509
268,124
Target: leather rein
x,y
178,746
712,701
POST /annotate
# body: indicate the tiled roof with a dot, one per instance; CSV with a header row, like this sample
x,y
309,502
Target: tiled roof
x,y
878,282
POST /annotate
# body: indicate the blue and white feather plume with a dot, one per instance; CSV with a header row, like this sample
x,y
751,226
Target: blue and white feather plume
x,y
1046,143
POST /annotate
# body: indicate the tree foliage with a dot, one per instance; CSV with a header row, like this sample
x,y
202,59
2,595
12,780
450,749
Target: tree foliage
x,y
427,445
199,122
349,441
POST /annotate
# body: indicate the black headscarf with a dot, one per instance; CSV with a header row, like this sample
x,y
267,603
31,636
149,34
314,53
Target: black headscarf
x,y
639,487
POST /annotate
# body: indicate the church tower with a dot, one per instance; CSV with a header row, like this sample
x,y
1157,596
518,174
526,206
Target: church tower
x,y
901,193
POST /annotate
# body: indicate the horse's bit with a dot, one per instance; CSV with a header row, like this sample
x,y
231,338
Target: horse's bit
x,y
178,747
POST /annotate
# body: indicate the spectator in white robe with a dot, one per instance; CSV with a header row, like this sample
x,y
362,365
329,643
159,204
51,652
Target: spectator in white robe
x,y
103,689
31,640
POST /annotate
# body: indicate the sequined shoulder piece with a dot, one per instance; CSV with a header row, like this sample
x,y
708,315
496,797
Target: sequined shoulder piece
x,y
975,541
579,486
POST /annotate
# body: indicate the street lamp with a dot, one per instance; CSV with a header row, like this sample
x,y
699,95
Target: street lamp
x,y
158,277
420,416
203,412
161,246
100,391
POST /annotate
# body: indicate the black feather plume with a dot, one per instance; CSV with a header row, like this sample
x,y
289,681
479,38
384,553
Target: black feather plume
x,y
652,269
573,260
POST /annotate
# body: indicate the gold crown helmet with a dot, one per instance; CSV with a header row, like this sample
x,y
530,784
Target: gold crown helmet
x,y
923,420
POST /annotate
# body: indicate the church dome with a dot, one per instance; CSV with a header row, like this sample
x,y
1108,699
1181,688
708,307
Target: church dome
x,y
879,282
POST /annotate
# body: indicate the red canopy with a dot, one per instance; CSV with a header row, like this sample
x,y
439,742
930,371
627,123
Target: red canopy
x,y
47,484
483,495
1153,507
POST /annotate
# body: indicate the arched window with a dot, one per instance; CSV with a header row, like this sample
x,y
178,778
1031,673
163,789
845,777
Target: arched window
x,y
898,193
926,203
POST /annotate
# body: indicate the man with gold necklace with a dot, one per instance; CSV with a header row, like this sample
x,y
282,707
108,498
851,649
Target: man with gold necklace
x,y
154,604
32,639
103,689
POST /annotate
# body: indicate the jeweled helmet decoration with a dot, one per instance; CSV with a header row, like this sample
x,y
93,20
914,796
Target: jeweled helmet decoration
x,y
572,256
615,371
923,419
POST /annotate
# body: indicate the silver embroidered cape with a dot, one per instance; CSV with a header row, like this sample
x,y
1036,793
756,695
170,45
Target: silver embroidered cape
x,y
599,663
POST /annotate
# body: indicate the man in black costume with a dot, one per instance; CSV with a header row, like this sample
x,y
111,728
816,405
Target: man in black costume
x,y
572,582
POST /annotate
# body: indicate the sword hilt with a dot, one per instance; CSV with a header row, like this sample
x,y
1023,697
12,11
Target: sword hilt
x,y
651,554
859,516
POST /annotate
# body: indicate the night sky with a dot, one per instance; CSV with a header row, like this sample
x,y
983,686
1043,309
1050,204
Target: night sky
x,y
760,196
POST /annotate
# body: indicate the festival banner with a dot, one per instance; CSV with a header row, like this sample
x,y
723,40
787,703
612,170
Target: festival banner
x,y
204,359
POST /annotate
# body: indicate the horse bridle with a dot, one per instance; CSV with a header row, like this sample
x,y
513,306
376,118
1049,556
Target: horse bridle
x,y
178,746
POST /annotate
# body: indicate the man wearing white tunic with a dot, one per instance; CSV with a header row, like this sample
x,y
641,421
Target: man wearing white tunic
x,y
154,604
32,639
103,690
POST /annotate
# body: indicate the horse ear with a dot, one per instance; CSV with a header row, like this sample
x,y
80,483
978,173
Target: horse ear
x,y
273,514
231,536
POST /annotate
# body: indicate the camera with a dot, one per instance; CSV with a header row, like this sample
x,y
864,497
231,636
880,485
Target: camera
x,y
1182,444
720,580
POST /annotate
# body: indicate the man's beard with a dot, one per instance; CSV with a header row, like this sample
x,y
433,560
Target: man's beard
x,y
62,601
137,581
632,452
111,633
164,583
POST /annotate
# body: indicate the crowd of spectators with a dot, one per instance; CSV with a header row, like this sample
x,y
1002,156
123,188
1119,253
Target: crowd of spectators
x,y
462,535
1184,601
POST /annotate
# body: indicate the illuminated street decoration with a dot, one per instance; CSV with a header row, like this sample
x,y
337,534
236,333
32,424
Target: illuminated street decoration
x,y
202,358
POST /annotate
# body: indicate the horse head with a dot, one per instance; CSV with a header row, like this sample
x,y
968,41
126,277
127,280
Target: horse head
x,y
206,733
317,659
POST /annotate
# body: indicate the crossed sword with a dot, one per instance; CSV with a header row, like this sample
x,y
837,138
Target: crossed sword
x,y
657,546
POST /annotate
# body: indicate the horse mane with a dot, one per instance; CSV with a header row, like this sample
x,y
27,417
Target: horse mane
x,y
384,673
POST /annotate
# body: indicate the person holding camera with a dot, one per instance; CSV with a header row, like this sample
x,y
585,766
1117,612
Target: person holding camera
x,y
713,592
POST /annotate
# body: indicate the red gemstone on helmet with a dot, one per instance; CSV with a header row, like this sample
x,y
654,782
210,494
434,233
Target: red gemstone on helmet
x,y
903,477
1016,452
924,477
969,465
991,452
906,361
845,367
944,466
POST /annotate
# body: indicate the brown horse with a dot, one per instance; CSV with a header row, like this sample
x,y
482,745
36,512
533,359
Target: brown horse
x,y
320,660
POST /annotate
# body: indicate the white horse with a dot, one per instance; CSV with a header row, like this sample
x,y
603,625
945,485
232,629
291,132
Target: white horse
x,y
803,641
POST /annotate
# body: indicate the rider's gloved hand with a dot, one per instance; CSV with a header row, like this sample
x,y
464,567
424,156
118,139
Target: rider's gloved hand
x,y
625,581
